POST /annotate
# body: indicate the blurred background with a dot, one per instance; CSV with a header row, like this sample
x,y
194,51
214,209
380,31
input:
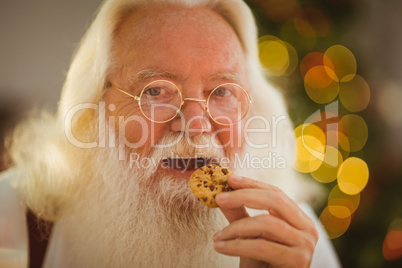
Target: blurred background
x,y
339,65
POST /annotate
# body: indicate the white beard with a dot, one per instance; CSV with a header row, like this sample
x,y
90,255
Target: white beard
x,y
122,217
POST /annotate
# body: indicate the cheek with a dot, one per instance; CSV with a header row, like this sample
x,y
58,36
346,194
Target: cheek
x,y
131,129
141,135
134,131
231,137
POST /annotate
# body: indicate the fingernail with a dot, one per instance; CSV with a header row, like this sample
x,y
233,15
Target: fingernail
x,y
223,196
236,178
219,245
217,236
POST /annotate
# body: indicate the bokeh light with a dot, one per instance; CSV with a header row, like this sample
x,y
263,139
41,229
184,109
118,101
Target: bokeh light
x,y
343,62
389,105
319,77
326,119
309,153
320,84
353,175
311,22
310,130
354,94
342,205
339,141
311,60
355,129
293,58
392,245
274,55
279,10
328,170
331,134
334,226
290,34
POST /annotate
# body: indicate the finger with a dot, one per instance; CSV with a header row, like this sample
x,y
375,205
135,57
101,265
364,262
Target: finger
x,y
234,214
239,182
266,251
271,199
266,227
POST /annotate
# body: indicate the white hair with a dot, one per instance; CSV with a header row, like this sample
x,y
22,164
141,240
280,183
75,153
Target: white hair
x,y
39,147
86,77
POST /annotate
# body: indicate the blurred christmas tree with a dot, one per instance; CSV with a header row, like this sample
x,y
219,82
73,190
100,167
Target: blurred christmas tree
x,y
303,49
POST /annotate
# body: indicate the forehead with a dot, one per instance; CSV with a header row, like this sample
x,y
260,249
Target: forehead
x,y
146,22
169,34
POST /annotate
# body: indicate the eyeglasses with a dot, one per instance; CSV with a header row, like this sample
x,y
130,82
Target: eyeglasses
x,y
160,101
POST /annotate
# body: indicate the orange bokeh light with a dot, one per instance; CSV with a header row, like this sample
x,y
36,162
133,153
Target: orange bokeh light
x,y
342,205
334,226
320,84
311,60
392,245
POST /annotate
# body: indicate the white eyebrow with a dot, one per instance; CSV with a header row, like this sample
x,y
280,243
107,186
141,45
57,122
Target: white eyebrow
x,y
231,76
150,73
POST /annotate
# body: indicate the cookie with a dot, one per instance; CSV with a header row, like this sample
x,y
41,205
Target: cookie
x,y
207,181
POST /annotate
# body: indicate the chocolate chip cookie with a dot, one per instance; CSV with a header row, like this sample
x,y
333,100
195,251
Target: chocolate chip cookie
x,y
207,181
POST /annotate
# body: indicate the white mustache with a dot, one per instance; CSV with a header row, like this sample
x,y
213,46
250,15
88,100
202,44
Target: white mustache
x,y
187,149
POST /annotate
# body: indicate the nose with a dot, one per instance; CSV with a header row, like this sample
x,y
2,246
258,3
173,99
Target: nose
x,y
193,118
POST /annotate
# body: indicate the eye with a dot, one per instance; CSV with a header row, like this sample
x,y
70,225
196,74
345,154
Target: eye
x,y
222,92
154,91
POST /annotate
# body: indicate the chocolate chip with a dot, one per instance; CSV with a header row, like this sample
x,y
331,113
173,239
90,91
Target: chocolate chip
x,y
204,199
198,185
214,196
211,187
224,171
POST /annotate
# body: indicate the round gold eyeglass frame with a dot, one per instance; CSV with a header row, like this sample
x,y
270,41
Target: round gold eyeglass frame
x,y
138,99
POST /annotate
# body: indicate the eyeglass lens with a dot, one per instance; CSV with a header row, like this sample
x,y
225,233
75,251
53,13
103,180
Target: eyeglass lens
x,y
227,104
160,101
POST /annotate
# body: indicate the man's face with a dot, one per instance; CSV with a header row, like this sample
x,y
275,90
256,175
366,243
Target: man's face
x,y
197,50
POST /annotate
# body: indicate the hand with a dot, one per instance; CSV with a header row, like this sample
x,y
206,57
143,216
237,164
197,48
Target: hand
x,y
286,237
